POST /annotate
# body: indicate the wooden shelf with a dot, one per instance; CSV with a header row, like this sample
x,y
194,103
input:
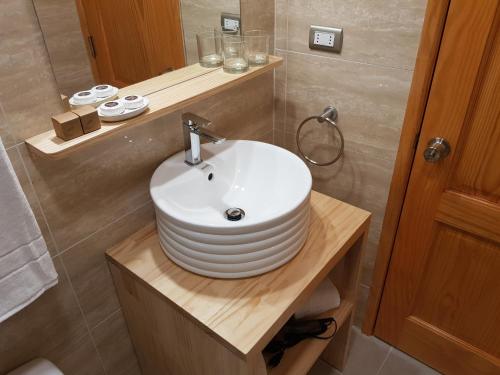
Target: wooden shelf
x,y
299,359
184,91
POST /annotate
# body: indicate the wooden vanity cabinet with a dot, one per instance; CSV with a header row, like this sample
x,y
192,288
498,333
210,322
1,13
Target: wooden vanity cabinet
x,y
185,324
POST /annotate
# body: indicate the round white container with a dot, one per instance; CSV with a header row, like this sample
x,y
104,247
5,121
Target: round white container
x,y
133,101
112,108
84,97
103,91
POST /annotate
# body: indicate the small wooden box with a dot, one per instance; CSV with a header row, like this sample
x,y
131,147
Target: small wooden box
x,y
67,126
88,117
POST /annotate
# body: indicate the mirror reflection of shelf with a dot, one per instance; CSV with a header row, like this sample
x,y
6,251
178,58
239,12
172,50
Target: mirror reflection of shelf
x,y
190,88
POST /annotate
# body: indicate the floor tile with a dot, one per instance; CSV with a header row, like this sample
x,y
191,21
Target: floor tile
x,y
367,354
366,357
322,368
399,363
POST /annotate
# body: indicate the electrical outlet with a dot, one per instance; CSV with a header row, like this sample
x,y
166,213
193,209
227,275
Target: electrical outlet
x,y
325,38
230,22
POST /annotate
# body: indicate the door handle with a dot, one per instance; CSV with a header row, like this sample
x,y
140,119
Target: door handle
x,y
437,149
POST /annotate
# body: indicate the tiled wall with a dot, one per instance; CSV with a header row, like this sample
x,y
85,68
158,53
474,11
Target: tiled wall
x,y
368,83
90,201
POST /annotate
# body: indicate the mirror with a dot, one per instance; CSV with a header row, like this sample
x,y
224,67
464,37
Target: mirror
x,y
122,42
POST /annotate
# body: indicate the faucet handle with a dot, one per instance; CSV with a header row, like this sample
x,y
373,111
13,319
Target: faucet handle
x,y
191,119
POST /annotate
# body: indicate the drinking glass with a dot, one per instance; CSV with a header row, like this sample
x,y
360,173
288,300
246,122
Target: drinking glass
x,y
235,54
258,47
210,48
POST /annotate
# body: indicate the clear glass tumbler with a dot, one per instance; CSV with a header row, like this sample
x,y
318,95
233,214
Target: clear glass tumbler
x,y
235,53
210,48
258,46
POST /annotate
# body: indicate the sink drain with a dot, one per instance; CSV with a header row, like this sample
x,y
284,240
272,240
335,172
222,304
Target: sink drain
x,y
234,214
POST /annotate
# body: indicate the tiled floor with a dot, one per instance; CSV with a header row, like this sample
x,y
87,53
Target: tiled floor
x,y
370,356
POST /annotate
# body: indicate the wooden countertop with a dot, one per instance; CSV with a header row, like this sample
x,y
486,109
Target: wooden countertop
x,y
246,313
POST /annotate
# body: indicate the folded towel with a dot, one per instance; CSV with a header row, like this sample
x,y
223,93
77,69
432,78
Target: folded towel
x,y
26,269
326,297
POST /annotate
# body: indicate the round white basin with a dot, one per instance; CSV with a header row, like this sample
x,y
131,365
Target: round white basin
x,y
264,189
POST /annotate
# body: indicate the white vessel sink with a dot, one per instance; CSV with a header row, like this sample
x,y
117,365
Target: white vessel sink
x,y
270,184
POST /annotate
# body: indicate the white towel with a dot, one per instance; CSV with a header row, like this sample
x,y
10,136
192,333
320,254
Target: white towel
x,y
26,269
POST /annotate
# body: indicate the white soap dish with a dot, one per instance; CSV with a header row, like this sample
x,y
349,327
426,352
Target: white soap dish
x,y
94,97
122,109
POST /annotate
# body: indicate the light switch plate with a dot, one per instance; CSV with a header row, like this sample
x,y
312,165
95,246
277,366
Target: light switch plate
x,y
325,38
230,22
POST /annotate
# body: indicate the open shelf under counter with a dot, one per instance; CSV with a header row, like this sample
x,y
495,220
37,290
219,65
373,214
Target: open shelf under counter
x,y
186,87
299,359
184,323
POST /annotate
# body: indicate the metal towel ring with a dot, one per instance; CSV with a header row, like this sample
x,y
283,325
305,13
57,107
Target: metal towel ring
x,y
329,115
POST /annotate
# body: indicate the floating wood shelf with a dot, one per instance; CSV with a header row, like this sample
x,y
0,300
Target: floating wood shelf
x,y
183,323
187,86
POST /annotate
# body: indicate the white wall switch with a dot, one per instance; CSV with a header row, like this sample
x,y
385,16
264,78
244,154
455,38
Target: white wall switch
x,y
325,38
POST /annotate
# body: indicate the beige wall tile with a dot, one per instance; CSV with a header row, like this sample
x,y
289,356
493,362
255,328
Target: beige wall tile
x,y
78,358
362,302
370,100
280,82
355,178
28,92
5,136
60,25
245,112
113,342
50,323
258,14
281,20
88,270
267,138
375,31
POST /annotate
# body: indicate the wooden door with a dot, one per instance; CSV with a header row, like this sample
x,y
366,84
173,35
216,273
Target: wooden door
x,y
132,40
441,300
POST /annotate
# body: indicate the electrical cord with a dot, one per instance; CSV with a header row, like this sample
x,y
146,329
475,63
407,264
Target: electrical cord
x,y
333,333
296,331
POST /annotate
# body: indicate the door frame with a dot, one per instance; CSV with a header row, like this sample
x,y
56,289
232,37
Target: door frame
x,y
430,43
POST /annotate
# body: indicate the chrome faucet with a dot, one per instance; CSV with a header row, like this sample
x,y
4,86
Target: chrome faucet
x,y
193,127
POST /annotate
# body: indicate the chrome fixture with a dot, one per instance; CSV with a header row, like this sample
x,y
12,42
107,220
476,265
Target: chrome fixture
x,y
437,149
329,115
193,129
234,214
